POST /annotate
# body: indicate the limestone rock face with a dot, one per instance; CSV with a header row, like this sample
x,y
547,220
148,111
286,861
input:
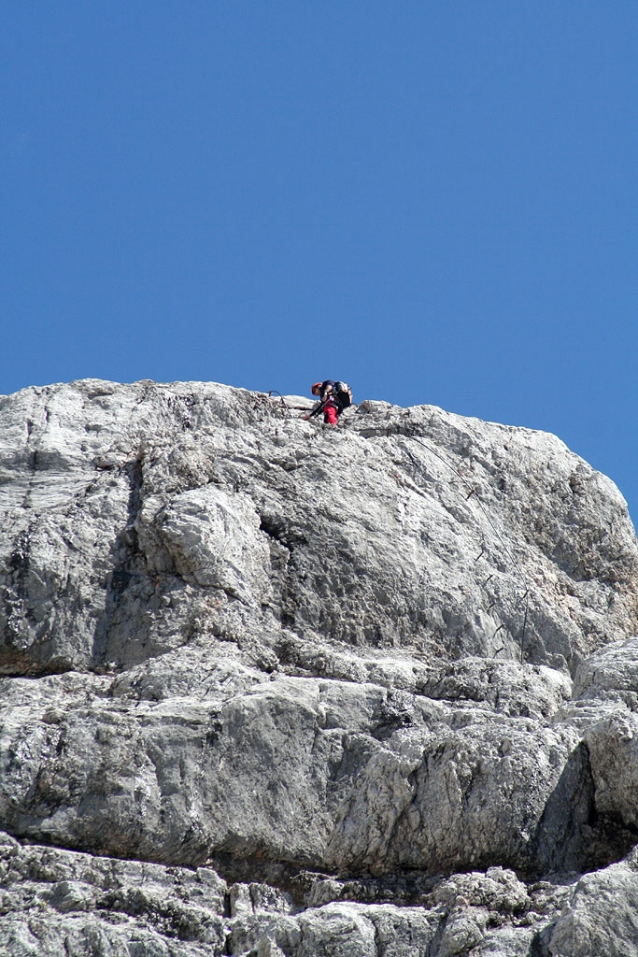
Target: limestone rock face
x,y
270,687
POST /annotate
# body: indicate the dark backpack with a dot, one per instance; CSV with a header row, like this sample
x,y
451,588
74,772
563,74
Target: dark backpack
x,y
343,395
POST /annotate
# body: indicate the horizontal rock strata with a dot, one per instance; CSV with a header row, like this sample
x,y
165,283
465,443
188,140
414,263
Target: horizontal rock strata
x,y
270,687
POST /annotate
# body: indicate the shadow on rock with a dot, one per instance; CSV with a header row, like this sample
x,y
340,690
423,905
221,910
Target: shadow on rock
x,y
572,836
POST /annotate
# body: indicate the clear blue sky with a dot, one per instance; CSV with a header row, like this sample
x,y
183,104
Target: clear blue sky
x,y
436,201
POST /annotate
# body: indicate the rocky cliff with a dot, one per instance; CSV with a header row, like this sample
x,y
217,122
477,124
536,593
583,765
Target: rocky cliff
x,y
273,688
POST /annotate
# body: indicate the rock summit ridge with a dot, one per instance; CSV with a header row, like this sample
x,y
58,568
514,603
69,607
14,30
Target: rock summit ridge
x,y
271,687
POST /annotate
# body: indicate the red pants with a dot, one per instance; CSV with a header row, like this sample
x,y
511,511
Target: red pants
x,y
330,413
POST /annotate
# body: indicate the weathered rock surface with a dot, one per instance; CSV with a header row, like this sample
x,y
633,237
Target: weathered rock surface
x,y
275,688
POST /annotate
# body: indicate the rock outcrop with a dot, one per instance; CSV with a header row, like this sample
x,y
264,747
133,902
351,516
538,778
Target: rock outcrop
x,y
275,688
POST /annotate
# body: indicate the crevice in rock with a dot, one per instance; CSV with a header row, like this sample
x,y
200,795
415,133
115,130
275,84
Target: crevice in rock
x,y
572,837
284,876
129,568
281,531
19,563
15,658
540,941
309,888
433,948
284,542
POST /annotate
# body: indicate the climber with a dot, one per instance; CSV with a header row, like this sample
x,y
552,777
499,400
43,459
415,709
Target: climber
x,y
333,397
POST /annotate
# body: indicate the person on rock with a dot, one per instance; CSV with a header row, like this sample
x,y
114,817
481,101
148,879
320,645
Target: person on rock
x,y
333,397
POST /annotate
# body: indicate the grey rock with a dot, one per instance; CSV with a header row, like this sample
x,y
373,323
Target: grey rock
x,y
600,916
610,674
53,899
406,528
381,678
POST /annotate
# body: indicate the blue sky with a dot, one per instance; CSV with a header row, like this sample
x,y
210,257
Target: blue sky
x,y
434,201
